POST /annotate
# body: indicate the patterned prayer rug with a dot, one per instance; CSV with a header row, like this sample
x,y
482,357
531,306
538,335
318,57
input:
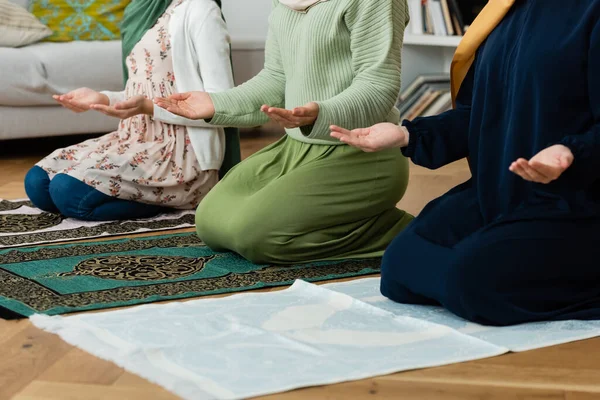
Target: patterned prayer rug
x,y
22,224
68,278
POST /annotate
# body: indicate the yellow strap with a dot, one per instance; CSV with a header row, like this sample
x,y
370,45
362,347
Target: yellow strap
x,y
484,24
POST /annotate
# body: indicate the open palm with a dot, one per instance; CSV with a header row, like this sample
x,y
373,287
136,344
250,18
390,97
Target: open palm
x,y
80,100
546,166
378,137
192,105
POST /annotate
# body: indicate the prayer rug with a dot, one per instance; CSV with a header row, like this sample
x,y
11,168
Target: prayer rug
x,y
21,224
66,278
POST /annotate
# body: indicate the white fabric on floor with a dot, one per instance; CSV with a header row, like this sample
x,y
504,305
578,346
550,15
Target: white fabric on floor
x,y
255,344
70,225
516,338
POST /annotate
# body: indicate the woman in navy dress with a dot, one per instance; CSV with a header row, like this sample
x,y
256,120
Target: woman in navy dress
x,y
519,241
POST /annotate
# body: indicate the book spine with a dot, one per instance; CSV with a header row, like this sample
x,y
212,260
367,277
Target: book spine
x,y
416,17
437,15
447,17
455,11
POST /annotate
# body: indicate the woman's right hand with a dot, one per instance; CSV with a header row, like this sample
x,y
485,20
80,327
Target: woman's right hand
x,y
191,105
376,138
80,100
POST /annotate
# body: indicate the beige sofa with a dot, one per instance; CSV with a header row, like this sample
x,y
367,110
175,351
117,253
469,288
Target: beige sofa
x,y
30,75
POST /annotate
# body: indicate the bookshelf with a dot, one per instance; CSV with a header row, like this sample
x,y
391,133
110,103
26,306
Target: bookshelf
x,y
426,54
432,40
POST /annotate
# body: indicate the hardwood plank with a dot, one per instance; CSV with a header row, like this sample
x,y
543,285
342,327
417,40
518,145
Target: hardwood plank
x,y
581,396
482,374
575,355
80,367
25,356
392,390
8,329
44,390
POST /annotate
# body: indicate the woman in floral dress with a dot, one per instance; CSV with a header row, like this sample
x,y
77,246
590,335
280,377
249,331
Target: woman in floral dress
x,y
149,164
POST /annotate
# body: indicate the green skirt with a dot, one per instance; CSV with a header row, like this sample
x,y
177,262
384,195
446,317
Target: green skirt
x,y
298,202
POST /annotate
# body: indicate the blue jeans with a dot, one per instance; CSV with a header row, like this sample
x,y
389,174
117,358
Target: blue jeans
x,y
73,198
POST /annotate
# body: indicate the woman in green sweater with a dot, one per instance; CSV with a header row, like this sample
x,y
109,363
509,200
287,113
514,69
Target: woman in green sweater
x,y
309,197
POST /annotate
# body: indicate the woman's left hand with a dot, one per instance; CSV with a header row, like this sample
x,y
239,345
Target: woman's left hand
x,y
546,166
299,116
128,108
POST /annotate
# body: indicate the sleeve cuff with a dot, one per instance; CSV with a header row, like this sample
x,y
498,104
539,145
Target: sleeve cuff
x,y
413,134
321,128
579,149
114,97
221,103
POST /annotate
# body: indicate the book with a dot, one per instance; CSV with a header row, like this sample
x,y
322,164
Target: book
x,y
437,16
442,104
415,9
457,16
407,105
420,81
412,100
447,17
428,21
426,100
457,28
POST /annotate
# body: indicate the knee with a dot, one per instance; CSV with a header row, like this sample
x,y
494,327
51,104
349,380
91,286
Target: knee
x,y
209,225
472,287
242,230
62,191
396,267
37,184
36,179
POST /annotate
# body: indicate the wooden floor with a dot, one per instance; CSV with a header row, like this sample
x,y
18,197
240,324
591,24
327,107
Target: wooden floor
x,y
35,365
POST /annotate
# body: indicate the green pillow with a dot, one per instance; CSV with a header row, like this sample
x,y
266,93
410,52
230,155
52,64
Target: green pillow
x,y
80,19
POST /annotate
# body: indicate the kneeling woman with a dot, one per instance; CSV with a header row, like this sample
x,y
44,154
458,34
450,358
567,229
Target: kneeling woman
x,y
520,241
307,197
156,160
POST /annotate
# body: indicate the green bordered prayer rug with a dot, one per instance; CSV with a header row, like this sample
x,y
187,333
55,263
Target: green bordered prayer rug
x,y
68,278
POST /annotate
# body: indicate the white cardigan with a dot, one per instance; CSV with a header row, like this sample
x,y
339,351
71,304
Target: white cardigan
x,y
200,46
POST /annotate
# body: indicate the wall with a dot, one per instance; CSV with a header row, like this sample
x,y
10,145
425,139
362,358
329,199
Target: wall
x,y
247,20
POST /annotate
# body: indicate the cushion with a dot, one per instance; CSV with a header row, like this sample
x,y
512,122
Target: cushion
x,y
18,27
82,19
31,75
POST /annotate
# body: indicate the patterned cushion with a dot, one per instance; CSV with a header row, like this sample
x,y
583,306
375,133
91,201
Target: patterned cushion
x,y
80,19
18,27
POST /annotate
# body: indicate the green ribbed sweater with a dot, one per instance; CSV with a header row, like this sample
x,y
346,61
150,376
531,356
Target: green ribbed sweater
x,y
343,54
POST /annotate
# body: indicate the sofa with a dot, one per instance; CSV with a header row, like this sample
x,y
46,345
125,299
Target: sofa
x,y
30,75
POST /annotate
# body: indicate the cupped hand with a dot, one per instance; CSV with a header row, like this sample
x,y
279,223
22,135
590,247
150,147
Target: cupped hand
x,y
80,100
376,138
192,105
546,166
299,116
126,109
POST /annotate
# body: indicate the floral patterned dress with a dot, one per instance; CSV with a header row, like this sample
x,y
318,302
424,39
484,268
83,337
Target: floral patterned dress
x,y
145,160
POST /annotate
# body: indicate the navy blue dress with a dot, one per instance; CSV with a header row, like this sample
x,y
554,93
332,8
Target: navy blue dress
x,y
497,249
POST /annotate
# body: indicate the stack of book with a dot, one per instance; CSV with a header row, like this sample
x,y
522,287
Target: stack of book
x,y
436,17
427,95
